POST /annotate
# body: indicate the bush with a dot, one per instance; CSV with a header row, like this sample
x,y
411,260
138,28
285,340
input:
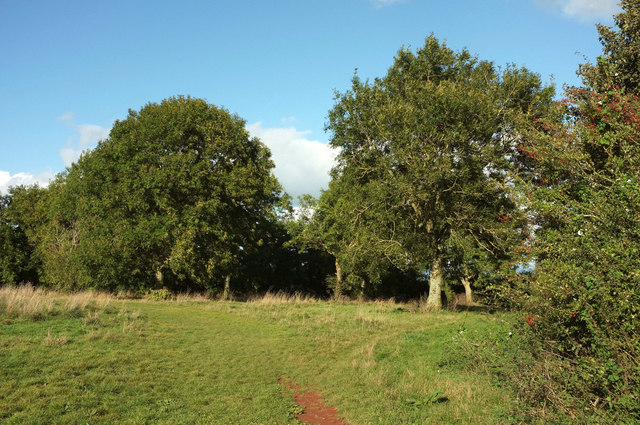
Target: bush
x,y
584,298
158,294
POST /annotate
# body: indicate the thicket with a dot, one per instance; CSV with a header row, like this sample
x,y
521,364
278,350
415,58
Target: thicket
x,y
582,302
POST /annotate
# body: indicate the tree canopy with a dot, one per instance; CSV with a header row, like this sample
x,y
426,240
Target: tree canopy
x,y
431,148
176,196
620,60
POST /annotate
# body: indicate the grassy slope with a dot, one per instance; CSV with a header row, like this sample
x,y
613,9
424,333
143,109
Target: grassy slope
x,y
220,363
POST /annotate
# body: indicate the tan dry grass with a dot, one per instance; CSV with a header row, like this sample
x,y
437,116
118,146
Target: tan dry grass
x,y
366,356
186,297
81,300
25,301
127,295
369,318
55,341
132,321
278,298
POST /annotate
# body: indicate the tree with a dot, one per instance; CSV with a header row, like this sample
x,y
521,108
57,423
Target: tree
x,y
618,65
281,265
16,253
431,146
176,196
22,214
338,223
320,225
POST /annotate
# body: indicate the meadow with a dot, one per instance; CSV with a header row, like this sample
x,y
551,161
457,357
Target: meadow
x,y
92,358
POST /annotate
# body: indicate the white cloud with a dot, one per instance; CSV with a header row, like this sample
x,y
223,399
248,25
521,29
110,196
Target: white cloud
x,y
91,134
69,116
7,180
69,155
583,9
88,135
302,165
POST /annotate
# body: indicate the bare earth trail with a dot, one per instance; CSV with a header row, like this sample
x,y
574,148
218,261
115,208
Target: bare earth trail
x,y
314,409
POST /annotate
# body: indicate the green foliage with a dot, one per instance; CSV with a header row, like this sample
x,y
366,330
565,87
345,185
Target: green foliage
x,y
177,196
20,216
14,247
584,300
426,163
619,64
340,224
434,397
550,388
162,294
279,266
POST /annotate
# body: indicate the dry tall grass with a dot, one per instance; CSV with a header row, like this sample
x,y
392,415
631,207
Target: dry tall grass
x,y
81,300
55,341
278,298
186,297
25,301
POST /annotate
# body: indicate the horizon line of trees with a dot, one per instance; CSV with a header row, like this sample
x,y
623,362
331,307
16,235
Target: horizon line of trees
x,y
180,196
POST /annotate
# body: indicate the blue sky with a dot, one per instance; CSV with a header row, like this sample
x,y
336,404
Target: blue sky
x,y
69,69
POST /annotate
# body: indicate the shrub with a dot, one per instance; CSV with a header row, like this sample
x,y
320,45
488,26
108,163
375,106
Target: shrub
x,y
583,301
158,294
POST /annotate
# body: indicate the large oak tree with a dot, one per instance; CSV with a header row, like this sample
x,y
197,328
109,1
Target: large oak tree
x,y
431,149
176,196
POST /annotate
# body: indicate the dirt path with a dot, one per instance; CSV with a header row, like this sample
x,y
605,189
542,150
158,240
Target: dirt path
x,y
314,410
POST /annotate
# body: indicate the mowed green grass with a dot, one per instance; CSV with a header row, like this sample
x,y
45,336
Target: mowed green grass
x,y
220,362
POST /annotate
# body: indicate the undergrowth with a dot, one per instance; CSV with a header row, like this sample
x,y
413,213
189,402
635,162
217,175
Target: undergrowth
x,y
550,389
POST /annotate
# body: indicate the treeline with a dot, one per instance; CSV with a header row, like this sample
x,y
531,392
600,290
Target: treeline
x,y
452,174
178,197
425,194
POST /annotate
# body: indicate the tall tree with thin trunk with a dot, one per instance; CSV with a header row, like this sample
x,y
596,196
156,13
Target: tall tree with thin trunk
x,y
338,224
620,60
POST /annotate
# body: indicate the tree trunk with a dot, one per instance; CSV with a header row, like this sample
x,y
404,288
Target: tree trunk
x,y
337,290
226,295
434,300
466,282
159,277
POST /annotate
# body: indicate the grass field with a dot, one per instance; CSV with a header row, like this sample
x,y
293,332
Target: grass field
x,y
196,361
